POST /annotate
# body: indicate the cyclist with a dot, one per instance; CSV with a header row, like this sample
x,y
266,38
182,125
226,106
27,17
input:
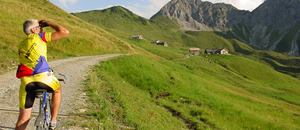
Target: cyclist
x,y
34,71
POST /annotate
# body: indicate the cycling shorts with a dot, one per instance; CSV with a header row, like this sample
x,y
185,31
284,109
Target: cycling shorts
x,y
29,84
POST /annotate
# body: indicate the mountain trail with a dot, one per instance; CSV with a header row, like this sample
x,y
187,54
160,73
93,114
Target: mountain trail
x,y
73,96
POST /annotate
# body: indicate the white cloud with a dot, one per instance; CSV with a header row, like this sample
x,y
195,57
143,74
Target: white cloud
x,y
158,3
66,3
141,10
149,9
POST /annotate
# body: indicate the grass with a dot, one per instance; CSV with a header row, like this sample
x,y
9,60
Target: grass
x,y
166,52
84,39
122,105
215,92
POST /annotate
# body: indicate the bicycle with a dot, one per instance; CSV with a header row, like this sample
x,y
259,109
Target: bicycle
x,y
43,119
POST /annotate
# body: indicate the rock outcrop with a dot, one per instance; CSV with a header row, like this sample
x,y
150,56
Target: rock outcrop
x,y
198,15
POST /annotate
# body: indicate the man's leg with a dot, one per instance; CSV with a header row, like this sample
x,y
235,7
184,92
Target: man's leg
x,y
23,119
56,99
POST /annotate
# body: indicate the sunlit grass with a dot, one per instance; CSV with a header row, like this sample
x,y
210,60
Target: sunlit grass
x,y
215,92
84,39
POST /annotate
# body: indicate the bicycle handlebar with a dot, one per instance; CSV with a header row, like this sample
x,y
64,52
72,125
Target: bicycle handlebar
x,y
62,78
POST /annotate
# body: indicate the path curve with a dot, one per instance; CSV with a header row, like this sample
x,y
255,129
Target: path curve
x,y
73,96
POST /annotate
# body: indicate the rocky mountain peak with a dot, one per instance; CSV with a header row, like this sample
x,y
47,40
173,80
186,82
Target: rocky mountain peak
x,y
274,25
202,15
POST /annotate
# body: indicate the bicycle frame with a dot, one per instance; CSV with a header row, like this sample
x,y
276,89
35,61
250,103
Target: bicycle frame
x,y
44,118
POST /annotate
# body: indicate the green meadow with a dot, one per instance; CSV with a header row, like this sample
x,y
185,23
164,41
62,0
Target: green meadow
x,y
202,92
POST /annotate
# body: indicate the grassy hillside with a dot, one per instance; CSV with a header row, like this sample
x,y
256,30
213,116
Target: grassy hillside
x,y
202,92
124,23
171,90
84,39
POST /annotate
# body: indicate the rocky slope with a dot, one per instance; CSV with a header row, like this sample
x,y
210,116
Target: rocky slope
x,y
274,25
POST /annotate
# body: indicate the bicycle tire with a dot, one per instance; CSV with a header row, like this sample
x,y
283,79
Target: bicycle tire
x,y
48,111
40,128
41,122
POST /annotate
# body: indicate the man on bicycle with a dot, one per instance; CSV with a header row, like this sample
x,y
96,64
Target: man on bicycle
x,y
34,71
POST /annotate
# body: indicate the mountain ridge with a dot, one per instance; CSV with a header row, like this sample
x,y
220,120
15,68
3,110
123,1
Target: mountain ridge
x,y
268,27
204,15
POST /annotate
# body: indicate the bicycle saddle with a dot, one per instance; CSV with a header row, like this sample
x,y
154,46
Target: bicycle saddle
x,y
39,92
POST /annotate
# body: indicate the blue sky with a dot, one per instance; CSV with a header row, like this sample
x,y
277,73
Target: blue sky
x,y
145,8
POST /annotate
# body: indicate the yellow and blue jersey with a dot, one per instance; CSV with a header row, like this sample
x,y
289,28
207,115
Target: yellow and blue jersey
x,y
34,67
33,54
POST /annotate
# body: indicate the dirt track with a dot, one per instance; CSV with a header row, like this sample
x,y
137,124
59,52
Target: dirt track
x,y
73,98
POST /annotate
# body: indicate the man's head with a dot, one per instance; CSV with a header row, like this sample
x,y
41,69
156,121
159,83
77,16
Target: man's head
x,y
31,26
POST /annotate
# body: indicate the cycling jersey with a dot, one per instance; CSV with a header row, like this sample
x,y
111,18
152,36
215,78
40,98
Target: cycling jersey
x,y
34,69
33,54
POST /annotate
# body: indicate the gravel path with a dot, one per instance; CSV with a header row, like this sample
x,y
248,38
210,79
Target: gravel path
x,y
73,97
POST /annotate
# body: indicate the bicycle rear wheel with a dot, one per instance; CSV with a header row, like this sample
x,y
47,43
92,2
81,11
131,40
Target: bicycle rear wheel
x,y
48,113
40,128
43,120
39,122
